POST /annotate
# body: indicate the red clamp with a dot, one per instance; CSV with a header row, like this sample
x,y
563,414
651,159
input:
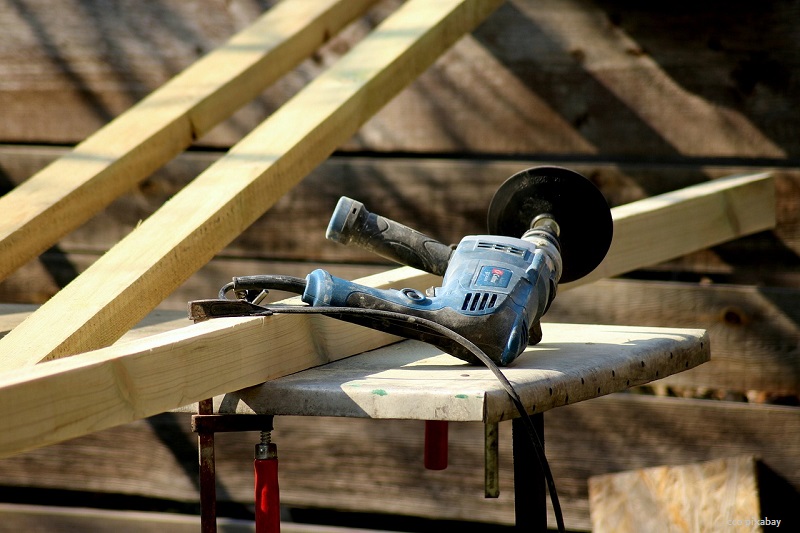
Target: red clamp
x,y
267,494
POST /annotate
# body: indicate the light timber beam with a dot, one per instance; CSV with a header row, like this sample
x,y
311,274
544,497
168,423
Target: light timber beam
x,y
663,227
184,234
66,193
73,396
63,399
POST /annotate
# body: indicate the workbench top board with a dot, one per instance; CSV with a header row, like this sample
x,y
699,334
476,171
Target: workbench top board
x,y
413,380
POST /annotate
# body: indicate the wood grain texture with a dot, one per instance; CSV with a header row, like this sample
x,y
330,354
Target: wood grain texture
x,y
70,190
688,219
43,518
205,216
363,465
540,77
66,398
707,496
754,331
446,199
413,380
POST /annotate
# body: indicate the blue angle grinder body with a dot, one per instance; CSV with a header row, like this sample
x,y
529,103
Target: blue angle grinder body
x,y
547,225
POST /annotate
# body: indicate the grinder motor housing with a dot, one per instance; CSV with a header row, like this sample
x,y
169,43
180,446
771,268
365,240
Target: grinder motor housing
x,y
493,292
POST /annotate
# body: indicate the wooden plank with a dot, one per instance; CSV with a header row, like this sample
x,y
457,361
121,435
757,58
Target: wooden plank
x,y
709,496
139,379
142,358
753,330
714,207
541,77
148,264
392,186
413,380
694,217
69,191
20,517
363,465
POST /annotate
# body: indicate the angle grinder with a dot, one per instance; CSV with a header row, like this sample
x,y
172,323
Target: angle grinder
x,y
546,225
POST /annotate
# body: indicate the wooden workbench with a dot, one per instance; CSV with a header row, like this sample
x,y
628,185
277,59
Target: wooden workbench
x,y
412,380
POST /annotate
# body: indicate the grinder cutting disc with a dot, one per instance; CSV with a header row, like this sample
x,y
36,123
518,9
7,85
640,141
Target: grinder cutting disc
x,y
576,204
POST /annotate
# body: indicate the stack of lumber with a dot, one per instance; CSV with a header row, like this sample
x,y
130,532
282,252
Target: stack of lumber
x,y
624,96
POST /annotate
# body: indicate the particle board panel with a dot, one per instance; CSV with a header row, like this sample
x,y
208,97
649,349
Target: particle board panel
x,y
711,496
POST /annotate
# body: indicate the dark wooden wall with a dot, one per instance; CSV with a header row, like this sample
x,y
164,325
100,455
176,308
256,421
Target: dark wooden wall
x,y
643,98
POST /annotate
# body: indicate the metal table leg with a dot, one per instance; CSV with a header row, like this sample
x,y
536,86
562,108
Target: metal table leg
x,y
530,489
208,485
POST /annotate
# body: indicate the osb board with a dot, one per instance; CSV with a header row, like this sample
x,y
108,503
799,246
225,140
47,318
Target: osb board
x,y
556,77
719,495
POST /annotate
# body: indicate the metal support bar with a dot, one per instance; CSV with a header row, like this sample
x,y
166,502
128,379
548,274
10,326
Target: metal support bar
x,y
208,485
530,489
491,461
216,423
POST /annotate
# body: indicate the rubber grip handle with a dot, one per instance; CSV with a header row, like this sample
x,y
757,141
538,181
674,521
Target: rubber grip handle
x,y
351,223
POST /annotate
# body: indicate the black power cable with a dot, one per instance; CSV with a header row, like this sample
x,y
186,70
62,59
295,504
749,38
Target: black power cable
x,y
297,285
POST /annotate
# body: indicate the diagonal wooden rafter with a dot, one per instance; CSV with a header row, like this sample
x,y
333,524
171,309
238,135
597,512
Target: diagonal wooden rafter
x,y
135,275
63,399
66,193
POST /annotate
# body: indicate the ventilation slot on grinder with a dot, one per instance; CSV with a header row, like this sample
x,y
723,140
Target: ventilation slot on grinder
x,y
478,301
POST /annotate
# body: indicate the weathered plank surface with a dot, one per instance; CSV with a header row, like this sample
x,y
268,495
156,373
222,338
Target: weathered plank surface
x,y
411,380
656,229
140,395
43,518
710,496
66,398
205,216
108,163
363,465
754,331
549,76
446,199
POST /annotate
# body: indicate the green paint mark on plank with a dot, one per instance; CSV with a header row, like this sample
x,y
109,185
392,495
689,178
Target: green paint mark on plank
x,y
462,396
380,392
